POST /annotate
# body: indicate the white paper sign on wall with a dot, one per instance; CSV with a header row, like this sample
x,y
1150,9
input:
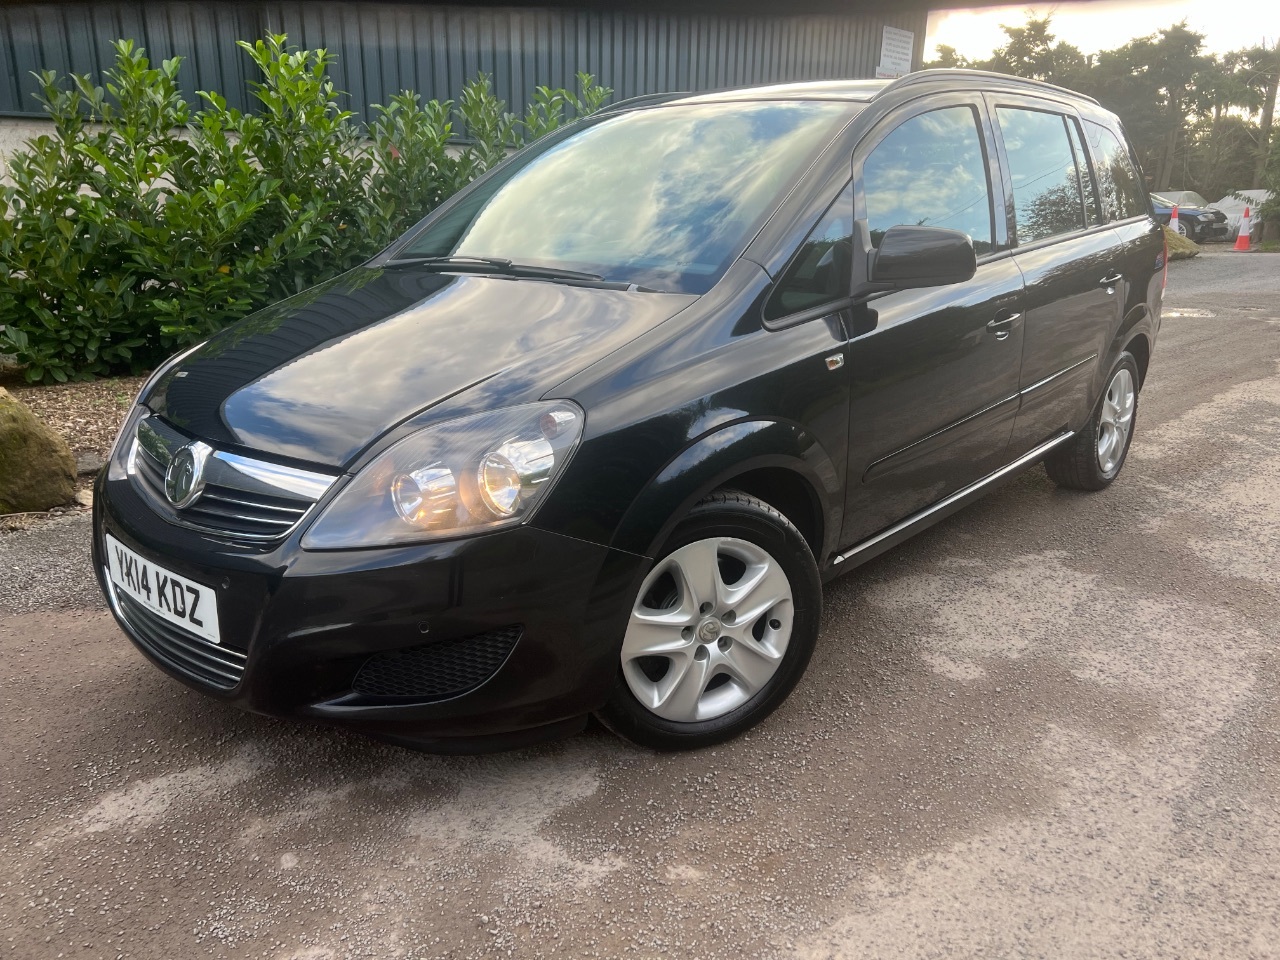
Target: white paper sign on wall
x,y
895,52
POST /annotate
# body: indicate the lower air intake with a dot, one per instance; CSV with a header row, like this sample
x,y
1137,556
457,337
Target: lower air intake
x,y
437,671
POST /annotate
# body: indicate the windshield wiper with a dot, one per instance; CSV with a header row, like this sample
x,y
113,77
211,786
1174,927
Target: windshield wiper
x,y
490,263
494,265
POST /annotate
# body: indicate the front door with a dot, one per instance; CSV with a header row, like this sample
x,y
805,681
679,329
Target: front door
x,y
934,378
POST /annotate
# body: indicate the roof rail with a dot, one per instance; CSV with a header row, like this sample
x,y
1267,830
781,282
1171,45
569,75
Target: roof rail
x,y
644,100
952,73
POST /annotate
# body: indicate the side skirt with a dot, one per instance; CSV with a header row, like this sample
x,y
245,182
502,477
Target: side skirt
x,y
886,539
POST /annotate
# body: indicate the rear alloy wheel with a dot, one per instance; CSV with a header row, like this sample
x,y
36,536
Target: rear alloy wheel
x,y
721,629
1095,455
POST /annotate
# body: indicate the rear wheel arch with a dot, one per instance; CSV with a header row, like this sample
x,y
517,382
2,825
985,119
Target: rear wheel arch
x,y
1140,347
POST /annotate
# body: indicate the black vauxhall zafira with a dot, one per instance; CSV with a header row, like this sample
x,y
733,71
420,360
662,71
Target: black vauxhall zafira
x,y
591,436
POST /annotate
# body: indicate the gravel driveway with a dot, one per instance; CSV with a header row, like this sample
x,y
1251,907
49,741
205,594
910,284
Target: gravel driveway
x,y
1048,727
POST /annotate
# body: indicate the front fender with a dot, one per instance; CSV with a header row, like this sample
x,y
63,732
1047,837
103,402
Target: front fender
x,y
713,461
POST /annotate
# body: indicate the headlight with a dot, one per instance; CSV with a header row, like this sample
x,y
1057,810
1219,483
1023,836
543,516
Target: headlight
x,y
120,445
1206,216
452,479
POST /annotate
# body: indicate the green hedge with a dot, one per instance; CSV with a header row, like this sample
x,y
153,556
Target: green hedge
x,y
143,224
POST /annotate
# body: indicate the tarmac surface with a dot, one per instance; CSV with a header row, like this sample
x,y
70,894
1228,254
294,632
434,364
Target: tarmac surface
x,y
1048,727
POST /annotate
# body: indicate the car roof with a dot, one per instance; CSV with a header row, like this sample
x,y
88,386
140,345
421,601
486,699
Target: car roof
x,y
866,91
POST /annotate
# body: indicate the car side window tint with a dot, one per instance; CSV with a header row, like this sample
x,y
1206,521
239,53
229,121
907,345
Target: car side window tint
x,y
820,271
1122,193
931,171
1046,191
1092,208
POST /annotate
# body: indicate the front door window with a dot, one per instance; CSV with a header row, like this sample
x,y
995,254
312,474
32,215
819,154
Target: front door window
x,y
931,171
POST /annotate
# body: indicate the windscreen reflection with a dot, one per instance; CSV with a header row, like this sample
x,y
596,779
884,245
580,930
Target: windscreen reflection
x,y
665,198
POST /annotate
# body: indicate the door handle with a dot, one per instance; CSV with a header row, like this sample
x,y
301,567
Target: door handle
x,y
1003,323
1110,281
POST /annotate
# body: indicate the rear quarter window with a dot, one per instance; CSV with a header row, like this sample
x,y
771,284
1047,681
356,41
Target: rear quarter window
x,y
1122,193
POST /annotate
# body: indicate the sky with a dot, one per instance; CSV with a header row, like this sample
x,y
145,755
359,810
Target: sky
x,y
1094,25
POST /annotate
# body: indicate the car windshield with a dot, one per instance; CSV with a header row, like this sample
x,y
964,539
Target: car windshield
x,y
664,198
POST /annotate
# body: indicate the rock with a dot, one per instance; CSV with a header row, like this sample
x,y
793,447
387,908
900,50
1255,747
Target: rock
x,y
88,464
37,470
1180,248
84,498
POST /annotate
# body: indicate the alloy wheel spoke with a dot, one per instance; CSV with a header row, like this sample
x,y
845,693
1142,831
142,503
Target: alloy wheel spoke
x,y
1126,403
653,636
698,572
679,698
750,664
765,590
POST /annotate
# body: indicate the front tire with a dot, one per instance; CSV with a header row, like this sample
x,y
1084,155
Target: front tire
x,y
721,630
1095,456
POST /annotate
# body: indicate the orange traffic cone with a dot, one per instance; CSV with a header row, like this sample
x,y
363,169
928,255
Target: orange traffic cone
x,y
1246,228
1173,219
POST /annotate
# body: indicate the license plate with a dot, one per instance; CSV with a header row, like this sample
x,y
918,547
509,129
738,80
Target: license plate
x,y
182,602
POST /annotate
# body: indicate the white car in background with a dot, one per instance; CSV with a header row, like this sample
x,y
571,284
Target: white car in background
x,y
1233,206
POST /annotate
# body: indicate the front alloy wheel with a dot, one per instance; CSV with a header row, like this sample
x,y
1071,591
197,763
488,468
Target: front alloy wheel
x,y
721,628
709,629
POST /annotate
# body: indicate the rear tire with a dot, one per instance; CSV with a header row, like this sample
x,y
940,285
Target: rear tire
x,y
1094,457
722,628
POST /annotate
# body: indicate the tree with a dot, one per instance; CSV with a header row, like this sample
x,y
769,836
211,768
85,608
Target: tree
x,y
1150,82
1264,72
1191,117
948,59
1031,52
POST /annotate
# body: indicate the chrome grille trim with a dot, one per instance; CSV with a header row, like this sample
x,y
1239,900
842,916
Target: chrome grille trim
x,y
243,499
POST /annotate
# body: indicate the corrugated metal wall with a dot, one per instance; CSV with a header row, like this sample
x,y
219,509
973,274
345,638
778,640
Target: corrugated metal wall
x,y
435,48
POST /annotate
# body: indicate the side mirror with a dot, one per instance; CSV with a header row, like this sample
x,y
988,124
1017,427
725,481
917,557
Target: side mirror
x,y
912,256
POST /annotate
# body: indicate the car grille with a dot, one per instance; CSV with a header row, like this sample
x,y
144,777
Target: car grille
x,y
219,666
241,499
437,670
225,510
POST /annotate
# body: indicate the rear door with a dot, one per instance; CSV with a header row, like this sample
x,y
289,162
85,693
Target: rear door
x,y
1071,261
934,378
1125,205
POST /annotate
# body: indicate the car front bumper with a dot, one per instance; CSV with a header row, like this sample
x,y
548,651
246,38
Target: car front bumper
x,y
480,643
1210,230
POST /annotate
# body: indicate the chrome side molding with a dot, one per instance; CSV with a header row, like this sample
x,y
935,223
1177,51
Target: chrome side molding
x,y
878,544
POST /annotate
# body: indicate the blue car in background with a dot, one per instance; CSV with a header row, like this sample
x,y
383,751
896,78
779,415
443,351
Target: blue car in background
x,y
1196,219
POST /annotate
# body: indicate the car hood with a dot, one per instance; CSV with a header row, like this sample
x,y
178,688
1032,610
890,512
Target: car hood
x,y
320,376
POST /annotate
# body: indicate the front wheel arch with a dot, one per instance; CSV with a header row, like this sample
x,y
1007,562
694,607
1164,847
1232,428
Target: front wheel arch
x,y
771,460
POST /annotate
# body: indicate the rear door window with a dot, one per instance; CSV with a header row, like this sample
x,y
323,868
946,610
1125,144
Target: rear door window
x,y
1046,187
1122,193
930,171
